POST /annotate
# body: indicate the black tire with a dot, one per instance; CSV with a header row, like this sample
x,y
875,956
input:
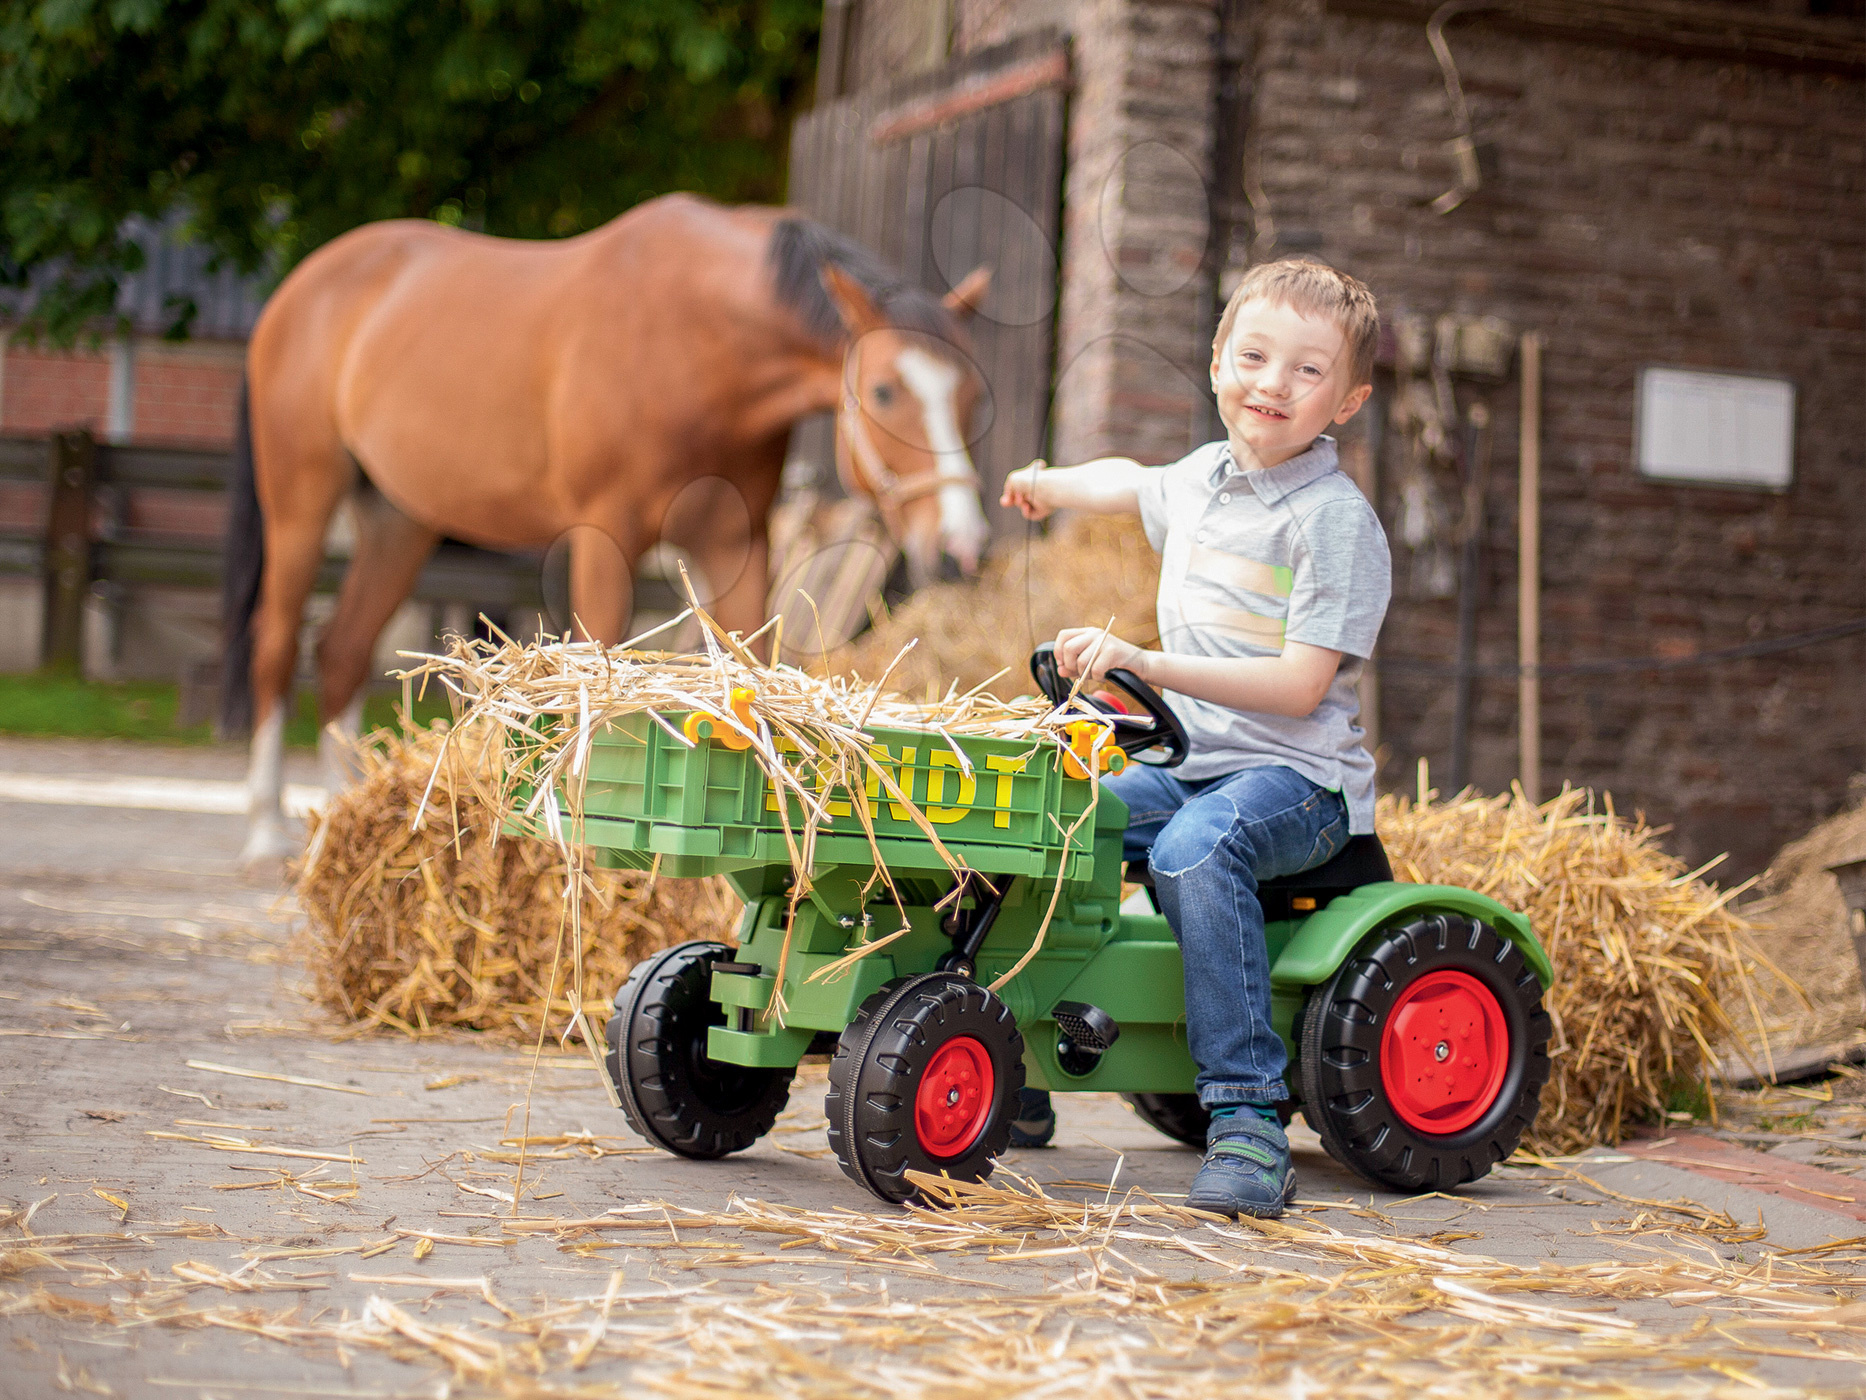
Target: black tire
x,y
1179,1116
673,1094
1183,1119
1346,1094
908,1028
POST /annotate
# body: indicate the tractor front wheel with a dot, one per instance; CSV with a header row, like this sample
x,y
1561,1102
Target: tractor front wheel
x,y
673,1094
925,1079
1422,1059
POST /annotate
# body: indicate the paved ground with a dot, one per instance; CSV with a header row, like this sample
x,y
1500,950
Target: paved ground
x,y
176,1228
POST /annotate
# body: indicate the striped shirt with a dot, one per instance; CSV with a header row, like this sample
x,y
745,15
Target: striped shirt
x,y
1250,560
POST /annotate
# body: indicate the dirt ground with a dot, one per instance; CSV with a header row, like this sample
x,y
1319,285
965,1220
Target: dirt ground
x,y
208,1190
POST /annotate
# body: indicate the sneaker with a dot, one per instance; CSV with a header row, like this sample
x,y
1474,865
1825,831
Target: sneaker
x,y
1247,1169
1035,1123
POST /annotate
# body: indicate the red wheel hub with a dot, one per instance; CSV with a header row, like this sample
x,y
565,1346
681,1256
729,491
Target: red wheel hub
x,y
953,1103
1443,1052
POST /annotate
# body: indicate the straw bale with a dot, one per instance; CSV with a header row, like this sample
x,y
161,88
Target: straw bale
x,y
1652,965
449,924
1818,1002
1088,569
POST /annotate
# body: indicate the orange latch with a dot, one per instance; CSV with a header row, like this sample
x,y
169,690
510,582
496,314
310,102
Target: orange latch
x,y
700,725
1082,736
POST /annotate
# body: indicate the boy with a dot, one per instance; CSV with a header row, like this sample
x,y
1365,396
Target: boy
x,y
1274,580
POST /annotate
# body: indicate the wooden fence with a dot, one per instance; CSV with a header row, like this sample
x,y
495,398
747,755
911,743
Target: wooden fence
x,y
84,515
87,516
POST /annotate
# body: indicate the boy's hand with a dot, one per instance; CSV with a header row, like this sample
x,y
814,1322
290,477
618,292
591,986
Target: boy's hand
x,y
1094,650
1020,490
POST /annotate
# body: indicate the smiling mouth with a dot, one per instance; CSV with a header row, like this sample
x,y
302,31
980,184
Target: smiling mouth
x,y
1263,412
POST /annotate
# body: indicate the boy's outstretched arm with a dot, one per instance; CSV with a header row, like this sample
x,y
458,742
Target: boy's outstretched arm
x,y
1293,683
1105,486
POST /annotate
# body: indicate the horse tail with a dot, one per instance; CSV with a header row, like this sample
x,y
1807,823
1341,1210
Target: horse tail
x,y
243,559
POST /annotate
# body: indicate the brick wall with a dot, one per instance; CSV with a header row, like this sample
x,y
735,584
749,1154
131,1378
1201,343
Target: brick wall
x,y
188,393
181,393
41,391
1648,209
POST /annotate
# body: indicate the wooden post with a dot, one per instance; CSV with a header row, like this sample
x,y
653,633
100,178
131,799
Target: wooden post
x,y
67,560
1529,570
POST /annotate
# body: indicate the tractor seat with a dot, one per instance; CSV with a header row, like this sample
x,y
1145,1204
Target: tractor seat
x,y
1363,861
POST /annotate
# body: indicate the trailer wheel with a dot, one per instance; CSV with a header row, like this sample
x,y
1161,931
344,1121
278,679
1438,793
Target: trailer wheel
x,y
926,1079
1422,1059
1183,1118
673,1094
1179,1116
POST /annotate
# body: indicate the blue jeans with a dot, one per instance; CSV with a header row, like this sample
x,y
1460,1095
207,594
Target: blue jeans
x,y
1208,844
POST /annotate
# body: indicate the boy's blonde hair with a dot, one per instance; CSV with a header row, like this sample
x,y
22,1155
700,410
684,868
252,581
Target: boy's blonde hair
x,y
1314,289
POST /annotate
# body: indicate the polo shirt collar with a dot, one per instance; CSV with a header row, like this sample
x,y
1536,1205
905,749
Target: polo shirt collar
x,y
1272,484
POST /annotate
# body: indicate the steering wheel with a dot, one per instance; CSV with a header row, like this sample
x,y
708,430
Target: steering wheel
x,y
1165,732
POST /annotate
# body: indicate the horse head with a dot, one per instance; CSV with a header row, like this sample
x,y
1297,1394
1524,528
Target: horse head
x,y
908,398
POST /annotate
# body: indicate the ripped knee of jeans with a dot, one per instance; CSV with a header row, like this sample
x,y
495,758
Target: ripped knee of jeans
x,y
1170,858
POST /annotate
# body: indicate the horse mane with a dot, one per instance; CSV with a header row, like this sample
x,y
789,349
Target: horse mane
x,y
800,248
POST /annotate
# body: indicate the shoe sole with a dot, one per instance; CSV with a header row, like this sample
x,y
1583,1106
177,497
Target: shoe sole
x,y
1232,1210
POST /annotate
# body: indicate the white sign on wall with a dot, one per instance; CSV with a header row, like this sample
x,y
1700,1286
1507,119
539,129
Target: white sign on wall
x,y
1717,429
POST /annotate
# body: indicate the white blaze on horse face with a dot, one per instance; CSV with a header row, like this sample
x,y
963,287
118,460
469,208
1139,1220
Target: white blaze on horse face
x,y
935,382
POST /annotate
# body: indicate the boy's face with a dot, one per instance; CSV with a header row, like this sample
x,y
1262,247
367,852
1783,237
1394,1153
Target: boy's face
x,y
1281,380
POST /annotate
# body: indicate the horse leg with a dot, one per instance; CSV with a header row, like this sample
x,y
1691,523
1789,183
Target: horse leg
x,y
740,607
390,552
297,513
733,549
602,586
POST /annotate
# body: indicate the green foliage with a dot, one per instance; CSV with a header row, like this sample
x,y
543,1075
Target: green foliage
x,y
1689,1094
1791,1123
64,706
272,126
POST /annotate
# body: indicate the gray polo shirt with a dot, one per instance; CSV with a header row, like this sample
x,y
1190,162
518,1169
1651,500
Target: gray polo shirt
x,y
1249,560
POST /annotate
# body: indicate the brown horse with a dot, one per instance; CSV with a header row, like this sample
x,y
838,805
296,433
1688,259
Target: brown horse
x,y
513,394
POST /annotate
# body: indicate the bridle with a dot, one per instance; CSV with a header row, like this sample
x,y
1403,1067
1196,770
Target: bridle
x,y
862,468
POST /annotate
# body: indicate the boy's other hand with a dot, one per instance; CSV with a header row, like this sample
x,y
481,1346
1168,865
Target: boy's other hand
x,y
1020,490
1096,651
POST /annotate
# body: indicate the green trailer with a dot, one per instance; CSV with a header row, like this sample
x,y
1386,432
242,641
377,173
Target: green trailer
x,y
1412,1013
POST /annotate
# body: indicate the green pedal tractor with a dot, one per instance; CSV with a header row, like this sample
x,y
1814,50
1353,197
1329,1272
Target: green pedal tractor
x,y
1413,1013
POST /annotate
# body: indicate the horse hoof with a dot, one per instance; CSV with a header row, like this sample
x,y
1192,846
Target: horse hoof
x,y
339,760
267,844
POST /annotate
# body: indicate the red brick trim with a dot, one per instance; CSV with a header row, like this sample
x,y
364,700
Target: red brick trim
x,y
1759,1171
909,119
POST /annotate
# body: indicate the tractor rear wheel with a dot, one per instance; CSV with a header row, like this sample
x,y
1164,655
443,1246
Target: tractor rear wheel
x,y
1422,1059
673,1094
925,1079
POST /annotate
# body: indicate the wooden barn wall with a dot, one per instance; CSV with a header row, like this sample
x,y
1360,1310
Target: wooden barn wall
x,y
957,169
